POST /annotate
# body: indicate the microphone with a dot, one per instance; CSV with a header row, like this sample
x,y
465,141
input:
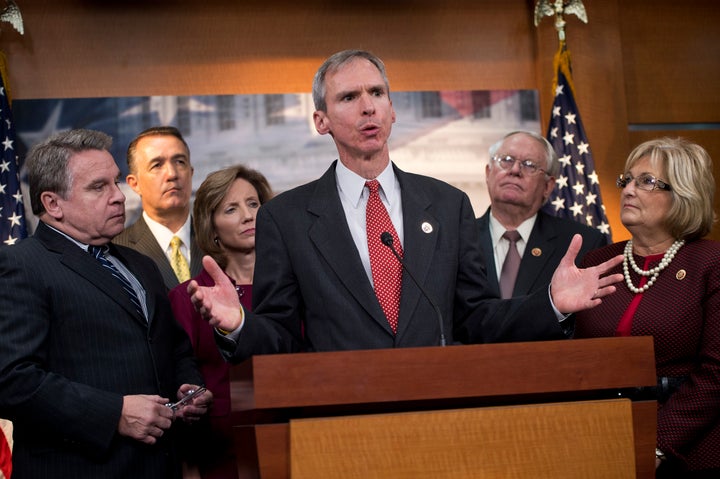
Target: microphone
x,y
387,240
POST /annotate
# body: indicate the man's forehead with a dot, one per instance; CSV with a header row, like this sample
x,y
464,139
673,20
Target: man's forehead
x,y
524,143
356,71
93,163
157,147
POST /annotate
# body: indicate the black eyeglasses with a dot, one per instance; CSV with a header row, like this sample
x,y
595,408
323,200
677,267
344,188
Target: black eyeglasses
x,y
643,181
507,162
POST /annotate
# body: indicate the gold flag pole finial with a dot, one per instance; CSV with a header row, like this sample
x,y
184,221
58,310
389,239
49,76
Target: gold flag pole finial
x,y
11,14
558,8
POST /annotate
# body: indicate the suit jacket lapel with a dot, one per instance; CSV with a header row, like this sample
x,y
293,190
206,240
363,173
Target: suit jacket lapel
x,y
420,238
488,252
196,255
149,298
143,240
542,242
74,258
331,236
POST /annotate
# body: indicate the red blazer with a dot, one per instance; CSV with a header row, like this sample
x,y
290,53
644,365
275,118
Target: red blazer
x,y
215,370
681,310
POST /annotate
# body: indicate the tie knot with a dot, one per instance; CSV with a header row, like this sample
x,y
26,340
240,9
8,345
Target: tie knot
x,y
97,251
512,236
175,242
373,186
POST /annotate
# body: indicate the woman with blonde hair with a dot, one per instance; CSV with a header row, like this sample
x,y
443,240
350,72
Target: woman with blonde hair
x,y
671,292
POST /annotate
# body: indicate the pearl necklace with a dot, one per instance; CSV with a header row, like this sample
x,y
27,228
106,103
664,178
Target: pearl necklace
x,y
654,272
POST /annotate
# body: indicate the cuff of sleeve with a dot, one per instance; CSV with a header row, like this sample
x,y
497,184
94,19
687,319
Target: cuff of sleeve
x,y
560,316
225,332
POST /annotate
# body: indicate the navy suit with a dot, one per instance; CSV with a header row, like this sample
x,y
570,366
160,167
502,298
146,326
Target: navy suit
x,y
548,243
311,291
71,346
139,237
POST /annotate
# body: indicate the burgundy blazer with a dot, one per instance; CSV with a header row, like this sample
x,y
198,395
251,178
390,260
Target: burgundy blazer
x,y
681,310
215,370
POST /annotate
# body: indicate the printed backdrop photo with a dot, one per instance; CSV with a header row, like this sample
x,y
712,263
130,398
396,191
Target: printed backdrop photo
x,y
444,134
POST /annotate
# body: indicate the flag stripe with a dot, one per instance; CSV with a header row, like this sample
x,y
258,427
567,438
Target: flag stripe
x,y
5,453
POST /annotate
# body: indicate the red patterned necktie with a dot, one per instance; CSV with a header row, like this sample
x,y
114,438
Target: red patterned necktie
x,y
386,269
510,266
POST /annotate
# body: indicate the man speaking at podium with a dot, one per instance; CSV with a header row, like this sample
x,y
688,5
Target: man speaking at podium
x,y
328,273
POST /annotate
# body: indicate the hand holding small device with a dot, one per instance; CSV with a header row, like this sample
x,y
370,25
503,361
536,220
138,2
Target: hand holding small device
x,y
193,393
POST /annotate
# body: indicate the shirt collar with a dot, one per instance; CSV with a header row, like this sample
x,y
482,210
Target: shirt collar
x,y
497,229
163,235
352,185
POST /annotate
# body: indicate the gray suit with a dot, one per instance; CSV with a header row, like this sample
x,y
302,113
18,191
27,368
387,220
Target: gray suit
x,y
310,291
71,346
139,237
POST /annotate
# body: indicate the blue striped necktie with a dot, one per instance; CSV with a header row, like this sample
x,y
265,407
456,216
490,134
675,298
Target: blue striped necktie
x,y
99,253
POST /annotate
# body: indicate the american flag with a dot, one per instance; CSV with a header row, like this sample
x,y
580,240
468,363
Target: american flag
x,y
12,217
12,211
577,189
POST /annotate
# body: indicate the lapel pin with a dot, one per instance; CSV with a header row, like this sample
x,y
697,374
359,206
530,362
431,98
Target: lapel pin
x,y
426,227
536,252
680,275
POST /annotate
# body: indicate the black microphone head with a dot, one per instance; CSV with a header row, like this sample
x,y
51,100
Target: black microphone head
x,y
386,239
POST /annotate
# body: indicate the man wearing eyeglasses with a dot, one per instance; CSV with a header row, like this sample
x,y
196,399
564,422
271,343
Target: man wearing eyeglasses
x,y
520,177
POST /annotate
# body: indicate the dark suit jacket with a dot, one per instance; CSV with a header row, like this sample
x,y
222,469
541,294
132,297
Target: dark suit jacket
x,y
71,346
310,291
681,311
139,237
548,242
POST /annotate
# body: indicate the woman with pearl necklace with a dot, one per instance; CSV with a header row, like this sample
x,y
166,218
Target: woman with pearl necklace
x,y
671,292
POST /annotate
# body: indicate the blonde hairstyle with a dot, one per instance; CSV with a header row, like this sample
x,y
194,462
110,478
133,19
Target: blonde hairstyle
x,y
688,169
209,196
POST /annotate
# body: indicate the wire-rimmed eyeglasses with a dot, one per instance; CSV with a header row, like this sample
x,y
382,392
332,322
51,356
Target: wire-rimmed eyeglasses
x,y
507,162
643,181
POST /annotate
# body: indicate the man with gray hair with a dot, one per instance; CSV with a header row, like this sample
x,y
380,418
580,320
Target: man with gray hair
x,y
522,245
325,277
91,357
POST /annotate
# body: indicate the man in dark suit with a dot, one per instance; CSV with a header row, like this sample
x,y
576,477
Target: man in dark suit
x,y
315,286
520,177
161,173
89,351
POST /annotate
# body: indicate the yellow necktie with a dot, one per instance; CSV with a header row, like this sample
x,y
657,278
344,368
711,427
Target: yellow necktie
x,y
177,260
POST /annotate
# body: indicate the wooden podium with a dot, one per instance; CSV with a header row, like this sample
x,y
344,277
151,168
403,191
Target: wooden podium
x,y
547,408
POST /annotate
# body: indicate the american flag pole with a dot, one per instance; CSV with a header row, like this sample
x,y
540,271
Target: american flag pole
x,y
577,188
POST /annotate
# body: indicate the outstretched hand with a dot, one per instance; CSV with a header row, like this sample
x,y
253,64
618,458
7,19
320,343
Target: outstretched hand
x,y
573,289
218,305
